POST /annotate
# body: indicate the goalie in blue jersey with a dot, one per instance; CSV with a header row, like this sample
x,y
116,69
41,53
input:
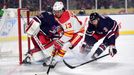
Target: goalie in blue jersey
x,y
43,30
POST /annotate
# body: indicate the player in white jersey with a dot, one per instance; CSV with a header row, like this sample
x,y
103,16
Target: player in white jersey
x,y
73,31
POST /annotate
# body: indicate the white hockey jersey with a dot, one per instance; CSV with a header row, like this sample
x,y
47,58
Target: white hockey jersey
x,y
70,24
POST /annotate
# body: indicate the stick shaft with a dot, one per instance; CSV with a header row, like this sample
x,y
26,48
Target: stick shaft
x,y
72,67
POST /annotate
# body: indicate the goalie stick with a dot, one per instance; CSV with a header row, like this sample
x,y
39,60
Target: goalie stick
x,y
72,67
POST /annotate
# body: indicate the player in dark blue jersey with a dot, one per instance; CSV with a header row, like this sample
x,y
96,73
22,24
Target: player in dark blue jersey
x,y
100,27
48,23
43,29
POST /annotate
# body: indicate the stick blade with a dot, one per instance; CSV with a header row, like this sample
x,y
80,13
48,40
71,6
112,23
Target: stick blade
x,y
72,67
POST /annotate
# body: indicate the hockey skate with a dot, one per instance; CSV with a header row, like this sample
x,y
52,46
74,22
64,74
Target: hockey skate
x,y
47,61
99,51
85,49
50,62
53,63
94,56
27,60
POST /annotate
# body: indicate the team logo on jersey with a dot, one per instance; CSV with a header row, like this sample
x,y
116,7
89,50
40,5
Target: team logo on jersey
x,y
105,29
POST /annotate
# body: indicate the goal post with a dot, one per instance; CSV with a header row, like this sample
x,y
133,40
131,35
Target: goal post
x,y
13,40
20,31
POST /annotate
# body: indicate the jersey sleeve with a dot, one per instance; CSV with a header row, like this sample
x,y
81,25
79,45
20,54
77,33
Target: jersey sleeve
x,y
90,29
110,25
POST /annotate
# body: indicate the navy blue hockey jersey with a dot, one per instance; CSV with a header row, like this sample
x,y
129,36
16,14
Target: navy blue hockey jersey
x,y
105,24
48,23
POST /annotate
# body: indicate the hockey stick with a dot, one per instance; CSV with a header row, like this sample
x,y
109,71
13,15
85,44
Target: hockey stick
x,y
72,67
51,63
48,70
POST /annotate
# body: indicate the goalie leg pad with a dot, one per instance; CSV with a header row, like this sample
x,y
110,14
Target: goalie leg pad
x,y
49,48
43,38
37,54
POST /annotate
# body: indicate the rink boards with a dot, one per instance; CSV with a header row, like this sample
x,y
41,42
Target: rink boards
x,y
125,23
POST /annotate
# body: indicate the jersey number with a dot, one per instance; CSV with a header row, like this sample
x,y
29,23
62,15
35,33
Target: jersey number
x,y
68,25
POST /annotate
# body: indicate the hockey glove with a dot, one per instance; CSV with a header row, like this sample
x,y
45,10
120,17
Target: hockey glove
x,y
58,44
112,50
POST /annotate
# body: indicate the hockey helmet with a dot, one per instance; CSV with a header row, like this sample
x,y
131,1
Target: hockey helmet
x,y
58,6
49,8
94,16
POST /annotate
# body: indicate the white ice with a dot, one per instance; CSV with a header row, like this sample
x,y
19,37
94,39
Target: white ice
x,y
121,64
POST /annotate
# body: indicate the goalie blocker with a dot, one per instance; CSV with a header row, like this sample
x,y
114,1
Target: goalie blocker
x,y
43,29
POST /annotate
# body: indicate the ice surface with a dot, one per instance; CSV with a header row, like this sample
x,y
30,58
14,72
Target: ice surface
x,y
121,64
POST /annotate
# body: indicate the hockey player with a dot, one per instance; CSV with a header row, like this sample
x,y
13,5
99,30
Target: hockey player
x,y
43,29
98,27
73,30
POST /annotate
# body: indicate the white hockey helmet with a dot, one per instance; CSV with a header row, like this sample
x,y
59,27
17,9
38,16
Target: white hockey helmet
x,y
58,6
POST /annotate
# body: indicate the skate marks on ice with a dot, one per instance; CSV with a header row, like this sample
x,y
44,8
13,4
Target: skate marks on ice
x,y
121,64
101,67
96,68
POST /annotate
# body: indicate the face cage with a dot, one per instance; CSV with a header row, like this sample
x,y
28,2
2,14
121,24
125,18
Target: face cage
x,y
92,21
57,11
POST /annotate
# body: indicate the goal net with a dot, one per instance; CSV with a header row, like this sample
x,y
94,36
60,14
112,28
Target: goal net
x,y
14,43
